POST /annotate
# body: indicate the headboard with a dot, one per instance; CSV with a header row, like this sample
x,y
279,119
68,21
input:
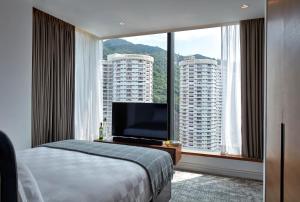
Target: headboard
x,y
8,171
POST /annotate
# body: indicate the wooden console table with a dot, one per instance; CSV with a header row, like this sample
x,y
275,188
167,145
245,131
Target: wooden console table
x,y
174,151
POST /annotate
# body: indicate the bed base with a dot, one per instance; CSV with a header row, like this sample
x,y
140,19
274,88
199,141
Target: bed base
x,y
8,171
164,195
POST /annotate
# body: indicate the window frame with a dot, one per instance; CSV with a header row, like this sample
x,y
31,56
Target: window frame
x,y
170,88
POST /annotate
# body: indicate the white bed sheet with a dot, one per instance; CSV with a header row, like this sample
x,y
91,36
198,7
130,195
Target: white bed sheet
x,y
68,176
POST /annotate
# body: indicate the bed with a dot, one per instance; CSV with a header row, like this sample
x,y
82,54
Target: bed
x,y
82,171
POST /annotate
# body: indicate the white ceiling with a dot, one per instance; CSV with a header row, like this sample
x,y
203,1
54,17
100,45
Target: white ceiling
x,y
103,17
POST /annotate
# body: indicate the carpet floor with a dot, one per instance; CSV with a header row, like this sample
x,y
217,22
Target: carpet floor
x,y
193,187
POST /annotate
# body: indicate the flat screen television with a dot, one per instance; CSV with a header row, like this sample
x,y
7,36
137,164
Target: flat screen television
x,y
140,120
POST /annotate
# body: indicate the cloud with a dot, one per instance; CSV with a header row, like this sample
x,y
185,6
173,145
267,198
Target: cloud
x,y
197,34
159,40
206,42
201,41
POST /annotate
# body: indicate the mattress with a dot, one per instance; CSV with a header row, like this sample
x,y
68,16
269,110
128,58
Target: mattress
x,y
65,176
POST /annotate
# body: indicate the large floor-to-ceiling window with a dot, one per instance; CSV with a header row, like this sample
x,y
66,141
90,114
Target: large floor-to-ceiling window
x,y
202,69
207,89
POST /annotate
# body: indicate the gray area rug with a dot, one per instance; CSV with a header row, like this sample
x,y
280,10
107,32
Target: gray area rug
x,y
192,187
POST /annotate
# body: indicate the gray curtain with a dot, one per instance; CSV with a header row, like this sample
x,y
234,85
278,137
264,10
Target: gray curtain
x,y
53,68
252,84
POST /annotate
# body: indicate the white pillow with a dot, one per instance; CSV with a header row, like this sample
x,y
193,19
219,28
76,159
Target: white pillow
x,y
28,190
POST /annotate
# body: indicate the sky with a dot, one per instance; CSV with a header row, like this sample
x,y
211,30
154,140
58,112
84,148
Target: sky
x,y
206,42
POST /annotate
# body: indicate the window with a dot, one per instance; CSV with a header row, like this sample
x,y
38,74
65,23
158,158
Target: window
x,y
198,89
201,89
134,70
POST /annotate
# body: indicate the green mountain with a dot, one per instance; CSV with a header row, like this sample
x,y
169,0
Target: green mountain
x,y
159,67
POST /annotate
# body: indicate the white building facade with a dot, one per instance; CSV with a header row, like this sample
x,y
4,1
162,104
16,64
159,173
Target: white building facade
x,y
107,94
126,78
200,104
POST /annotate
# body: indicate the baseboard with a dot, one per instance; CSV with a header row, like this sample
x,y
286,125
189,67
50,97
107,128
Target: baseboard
x,y
217,170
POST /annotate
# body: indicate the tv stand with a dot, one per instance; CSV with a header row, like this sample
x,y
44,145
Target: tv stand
x,y
174,151
138,141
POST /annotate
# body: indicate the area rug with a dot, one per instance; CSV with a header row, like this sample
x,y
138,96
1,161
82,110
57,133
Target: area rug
x,y
192,187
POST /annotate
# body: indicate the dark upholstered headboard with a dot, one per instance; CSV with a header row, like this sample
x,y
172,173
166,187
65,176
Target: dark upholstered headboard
x,y
8,171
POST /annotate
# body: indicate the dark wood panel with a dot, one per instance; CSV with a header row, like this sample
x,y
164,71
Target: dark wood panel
x,y
221,156
291,37
274,107
283,94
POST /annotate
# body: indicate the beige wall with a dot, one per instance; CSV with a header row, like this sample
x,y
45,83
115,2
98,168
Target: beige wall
x,y
15,70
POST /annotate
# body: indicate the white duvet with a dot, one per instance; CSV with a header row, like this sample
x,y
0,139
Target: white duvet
x,y
47,174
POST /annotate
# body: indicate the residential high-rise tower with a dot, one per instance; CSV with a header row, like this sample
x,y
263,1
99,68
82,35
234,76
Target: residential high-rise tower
x,y
126,78
200,104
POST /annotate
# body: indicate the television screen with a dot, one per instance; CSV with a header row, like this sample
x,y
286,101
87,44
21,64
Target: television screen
x,y
140,120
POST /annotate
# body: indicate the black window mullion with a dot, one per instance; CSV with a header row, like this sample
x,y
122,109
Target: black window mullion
x,y
170,83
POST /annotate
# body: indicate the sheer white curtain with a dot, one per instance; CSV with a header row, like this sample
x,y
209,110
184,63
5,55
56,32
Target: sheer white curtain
x,y
231,74
88,74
